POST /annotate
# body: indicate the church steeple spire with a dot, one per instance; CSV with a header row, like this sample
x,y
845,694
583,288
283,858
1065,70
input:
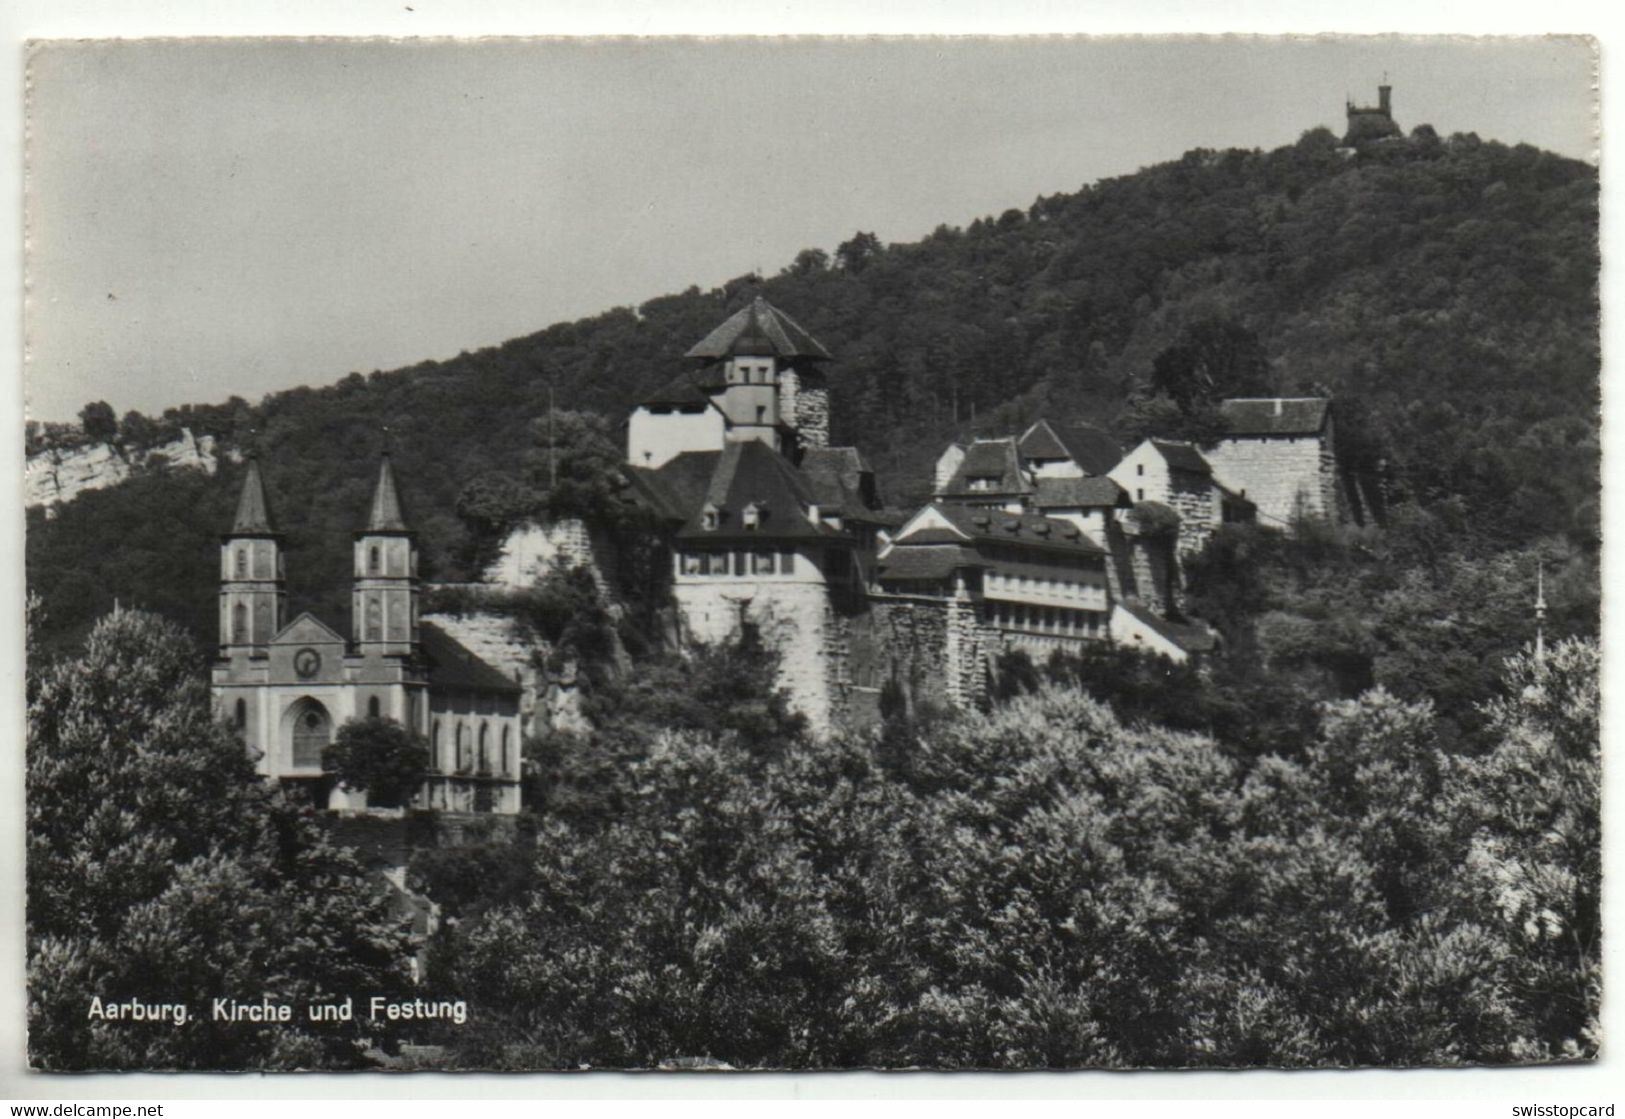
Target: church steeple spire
x,y
386,503
253,512
1540,612
384,600
251,577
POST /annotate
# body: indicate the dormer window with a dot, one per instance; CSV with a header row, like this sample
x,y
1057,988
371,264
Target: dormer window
x,y
710,517
752,515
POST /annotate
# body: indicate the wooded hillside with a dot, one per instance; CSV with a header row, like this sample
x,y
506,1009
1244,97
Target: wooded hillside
x,y
1443,290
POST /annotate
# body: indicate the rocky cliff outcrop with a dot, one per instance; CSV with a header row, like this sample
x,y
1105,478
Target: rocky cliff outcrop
x,y
56,475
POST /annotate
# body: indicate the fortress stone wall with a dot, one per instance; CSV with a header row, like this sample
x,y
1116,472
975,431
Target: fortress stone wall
x,y
532,549
1284,476
796,620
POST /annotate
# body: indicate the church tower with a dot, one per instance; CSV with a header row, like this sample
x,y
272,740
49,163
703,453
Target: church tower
x,y
252,594
384,602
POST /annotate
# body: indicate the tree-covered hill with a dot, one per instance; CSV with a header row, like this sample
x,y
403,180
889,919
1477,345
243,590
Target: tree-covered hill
x,y
1443,290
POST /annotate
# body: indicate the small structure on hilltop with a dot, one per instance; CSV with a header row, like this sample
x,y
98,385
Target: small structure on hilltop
x,y
1371,122
287,685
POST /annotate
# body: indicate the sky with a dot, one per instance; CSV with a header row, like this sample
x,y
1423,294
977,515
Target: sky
x,y
216,218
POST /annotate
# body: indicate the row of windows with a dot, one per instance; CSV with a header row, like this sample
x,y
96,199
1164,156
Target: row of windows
x,y
474,752
1027,584
1044,619
756,562
750,373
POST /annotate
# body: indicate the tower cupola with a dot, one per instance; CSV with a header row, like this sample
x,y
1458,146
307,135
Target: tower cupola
x,y
764,369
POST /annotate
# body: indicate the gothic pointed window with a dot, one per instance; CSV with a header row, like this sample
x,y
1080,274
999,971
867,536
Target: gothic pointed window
x,y
374,565
505,769
375,619
462,748
438,759
242,562
311,732
484,757
239,623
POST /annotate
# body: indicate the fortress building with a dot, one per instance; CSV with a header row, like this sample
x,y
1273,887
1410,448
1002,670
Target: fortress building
x,y
287,685
770,526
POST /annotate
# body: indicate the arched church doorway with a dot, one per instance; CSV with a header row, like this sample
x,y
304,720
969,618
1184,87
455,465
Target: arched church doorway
x,y
310,729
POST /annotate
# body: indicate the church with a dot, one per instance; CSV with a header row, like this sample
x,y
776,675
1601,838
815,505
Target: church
x,y
287,685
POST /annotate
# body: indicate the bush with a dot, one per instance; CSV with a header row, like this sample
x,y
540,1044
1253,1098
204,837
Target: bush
x,y
380,757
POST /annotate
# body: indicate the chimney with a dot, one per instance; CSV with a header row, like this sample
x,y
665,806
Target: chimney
x,y
1383,92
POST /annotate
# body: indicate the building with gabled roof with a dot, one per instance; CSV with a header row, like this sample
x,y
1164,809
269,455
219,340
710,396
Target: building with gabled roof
x,y
287,686
989,474
1075,450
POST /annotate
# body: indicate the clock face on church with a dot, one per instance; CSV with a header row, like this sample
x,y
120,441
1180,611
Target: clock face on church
x,y
307,662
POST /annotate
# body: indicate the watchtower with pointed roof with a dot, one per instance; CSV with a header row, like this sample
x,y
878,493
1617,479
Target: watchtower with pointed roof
x,y
384,601
756,377
252,592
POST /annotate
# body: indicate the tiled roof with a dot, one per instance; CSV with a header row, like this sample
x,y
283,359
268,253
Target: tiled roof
x,y
681,389
1193,639
838,478
926,561
1093,450
759,328
1018,528
989,458
253,511
1182,456
385,515
1304,415
452,666
1082,493
752,473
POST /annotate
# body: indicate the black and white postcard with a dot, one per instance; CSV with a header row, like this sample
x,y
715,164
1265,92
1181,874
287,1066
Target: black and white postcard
x,y
812,554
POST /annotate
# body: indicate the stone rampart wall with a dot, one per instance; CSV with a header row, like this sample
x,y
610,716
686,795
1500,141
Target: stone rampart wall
x,y
1283,476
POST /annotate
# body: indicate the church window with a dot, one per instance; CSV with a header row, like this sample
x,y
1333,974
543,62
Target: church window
x,y
373,560
242,715
310,736
485,760
242,562
375,621
438,760
239,623
462,748
1139,495
1139,468
505,764
372,707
